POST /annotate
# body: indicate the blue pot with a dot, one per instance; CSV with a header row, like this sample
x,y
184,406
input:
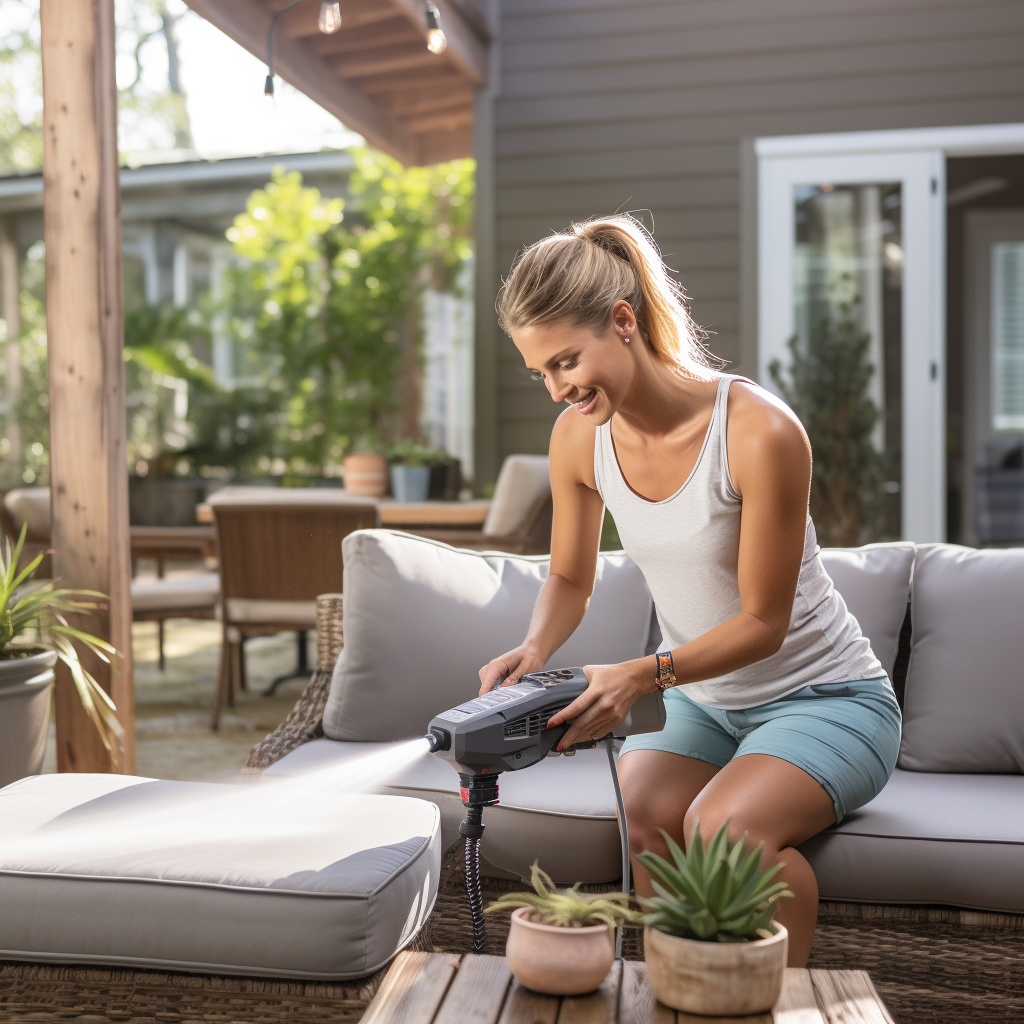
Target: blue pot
x,y
410,483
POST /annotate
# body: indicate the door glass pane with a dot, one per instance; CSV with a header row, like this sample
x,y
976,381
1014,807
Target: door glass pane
x,y
848,298
1007,319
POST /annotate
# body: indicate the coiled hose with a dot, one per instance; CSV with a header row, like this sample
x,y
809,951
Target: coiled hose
x,y
472,828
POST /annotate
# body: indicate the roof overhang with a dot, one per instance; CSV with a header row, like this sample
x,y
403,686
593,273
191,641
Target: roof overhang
x,y
376,74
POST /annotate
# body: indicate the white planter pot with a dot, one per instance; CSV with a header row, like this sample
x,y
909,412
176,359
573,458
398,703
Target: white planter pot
x,y
410,483
25,688
558,961
720,979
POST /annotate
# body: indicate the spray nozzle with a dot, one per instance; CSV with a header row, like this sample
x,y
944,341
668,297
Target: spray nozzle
x,y
439,739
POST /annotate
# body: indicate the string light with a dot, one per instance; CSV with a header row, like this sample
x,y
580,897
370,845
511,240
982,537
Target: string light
x,y
436,41
330,17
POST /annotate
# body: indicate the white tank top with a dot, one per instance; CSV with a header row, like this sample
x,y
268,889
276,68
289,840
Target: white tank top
x,y
687,547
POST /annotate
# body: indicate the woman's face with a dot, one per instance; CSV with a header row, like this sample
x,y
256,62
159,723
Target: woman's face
x,y
590,371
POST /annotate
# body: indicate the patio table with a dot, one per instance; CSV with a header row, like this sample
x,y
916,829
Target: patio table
x,y
445,988
165,543
411,513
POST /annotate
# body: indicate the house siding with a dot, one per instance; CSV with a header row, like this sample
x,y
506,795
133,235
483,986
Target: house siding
x,y
637,104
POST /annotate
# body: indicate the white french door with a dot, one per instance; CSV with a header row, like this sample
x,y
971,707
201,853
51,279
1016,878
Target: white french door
x,y
860,237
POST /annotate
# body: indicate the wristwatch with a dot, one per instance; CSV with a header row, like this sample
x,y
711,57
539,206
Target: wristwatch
x,y
666,676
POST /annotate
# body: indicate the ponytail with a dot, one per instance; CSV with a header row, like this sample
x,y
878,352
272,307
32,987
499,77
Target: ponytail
x,y
577,276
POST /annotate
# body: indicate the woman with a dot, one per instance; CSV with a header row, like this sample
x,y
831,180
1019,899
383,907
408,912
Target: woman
x,y
780,719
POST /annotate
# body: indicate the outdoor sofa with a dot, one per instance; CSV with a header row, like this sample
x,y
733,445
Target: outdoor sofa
x,y
924,886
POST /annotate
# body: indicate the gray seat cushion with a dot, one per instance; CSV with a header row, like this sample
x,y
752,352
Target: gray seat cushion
x,y
964,702
561,811
198,877
422,617
929,838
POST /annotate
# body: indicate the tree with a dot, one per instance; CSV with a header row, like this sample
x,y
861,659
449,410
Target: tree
x,y
828,390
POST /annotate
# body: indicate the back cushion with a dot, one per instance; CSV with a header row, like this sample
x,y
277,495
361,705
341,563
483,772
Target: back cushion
x,y
421,618
874,581
964,704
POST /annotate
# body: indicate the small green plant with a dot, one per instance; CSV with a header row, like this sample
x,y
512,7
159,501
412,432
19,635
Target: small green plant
x,y
566,908
412,453
28,608
718,895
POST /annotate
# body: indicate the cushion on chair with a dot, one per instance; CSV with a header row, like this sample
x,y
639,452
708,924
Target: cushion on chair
x,y
187,592
874,581
301,882
254,611
560,811
421,618
241,495
31,505
522,482
964,704
929,838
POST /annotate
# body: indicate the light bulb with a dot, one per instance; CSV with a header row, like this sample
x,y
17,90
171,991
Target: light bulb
x,y
330,17
436,42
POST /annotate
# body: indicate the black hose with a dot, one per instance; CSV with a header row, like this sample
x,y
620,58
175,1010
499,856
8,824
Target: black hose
x,y
472,828
623,837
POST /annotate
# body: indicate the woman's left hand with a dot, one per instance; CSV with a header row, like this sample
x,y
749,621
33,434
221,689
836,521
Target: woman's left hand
x,y
606,701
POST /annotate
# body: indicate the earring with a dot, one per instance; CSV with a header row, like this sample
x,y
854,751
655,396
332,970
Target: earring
x,y
626,339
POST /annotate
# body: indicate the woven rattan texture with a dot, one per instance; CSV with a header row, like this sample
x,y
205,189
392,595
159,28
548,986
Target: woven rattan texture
x,y
305,720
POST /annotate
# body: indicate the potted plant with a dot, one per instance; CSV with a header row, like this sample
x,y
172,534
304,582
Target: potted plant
x,y
710,943
33,634
366,471
410,470
561,940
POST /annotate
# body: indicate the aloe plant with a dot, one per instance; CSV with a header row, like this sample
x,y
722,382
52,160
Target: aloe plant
x,y
717,894
27,606
566,908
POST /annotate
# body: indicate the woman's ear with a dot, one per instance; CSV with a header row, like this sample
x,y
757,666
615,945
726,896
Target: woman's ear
x,y
623,319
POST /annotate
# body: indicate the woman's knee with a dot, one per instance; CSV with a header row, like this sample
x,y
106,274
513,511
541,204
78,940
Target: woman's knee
x,y
711,813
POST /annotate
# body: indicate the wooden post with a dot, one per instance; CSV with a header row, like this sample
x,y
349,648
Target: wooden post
x,y
88,469
10,283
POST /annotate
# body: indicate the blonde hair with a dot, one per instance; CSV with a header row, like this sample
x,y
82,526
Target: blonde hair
x,y
577,276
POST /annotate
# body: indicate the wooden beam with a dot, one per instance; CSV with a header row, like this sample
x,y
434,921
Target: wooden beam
x,y
467,51
10,282
247,21
406,103
366,37
437,146
302,20
389,58
442,120
400,81
88,467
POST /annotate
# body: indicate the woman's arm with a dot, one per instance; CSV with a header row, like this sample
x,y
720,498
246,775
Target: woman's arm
x,y
770,465
575,538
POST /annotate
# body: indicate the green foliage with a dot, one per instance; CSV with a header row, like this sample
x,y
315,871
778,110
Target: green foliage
x,y
566,908
32,617
21,90
828,390
412,453
717,895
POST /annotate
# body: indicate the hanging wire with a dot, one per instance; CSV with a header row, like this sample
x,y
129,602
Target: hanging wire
x,y
268,88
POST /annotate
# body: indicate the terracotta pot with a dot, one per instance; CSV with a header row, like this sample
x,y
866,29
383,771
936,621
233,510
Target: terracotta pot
x,y
558,961
366,475
716,979
25,687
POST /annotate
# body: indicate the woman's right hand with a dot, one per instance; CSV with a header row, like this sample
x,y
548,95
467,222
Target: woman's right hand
x,y
507,669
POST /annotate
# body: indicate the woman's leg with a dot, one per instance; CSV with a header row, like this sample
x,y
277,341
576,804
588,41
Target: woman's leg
x,y
768,800
657,790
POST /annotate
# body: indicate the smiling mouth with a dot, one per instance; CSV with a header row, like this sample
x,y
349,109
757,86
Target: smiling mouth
x,y
586,403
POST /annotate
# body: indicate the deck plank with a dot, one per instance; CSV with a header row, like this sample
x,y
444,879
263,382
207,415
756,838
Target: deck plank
x,y
413,989
797,1004
600,1007
637,1004
477,992
523,1006
849,997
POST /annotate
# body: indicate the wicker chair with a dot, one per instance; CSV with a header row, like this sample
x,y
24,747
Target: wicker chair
x,y
277,553
929,963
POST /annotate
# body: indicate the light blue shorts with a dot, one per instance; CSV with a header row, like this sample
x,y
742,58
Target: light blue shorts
x,y
844,735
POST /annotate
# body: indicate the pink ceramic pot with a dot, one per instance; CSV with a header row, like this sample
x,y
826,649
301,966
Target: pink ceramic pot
x,y
558,961
366,475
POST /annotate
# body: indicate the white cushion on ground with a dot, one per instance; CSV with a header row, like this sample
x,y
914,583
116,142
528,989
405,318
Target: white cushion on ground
x,y
240,495
31,505
522,482
874,581
226,879
964,704
561,811
421,618
254,610
200,591
929,838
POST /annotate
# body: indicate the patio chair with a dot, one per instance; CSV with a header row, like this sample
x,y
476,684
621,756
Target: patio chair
x,y
29,506
519,520
279,549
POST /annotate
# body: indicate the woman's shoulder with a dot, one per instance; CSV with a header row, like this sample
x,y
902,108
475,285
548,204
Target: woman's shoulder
x,y
571,449
761,427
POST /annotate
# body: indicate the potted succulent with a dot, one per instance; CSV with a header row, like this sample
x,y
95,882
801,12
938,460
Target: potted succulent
x,y
710,943
410,470
561,940
33,634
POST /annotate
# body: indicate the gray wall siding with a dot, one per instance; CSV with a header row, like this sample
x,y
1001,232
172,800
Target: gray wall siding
x,y
643,104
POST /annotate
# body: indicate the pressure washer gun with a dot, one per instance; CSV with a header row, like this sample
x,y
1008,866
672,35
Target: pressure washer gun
x,y
507,730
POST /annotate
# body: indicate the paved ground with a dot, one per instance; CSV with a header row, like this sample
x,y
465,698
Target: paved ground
x,y
173,735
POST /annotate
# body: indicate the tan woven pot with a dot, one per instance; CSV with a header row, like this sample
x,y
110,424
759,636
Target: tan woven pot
x,y
558,961
366,475
716,979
